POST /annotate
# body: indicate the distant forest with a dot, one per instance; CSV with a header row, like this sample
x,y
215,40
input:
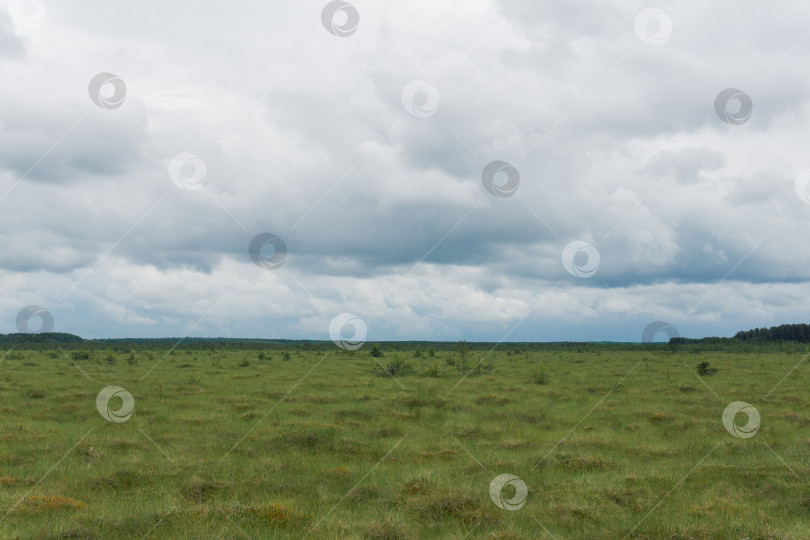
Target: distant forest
x,y
52,338
782,334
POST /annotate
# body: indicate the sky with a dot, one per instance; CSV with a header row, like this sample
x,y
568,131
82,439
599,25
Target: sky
x,y
485,170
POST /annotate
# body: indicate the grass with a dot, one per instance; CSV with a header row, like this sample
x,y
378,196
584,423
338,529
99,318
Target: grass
x,y
614,444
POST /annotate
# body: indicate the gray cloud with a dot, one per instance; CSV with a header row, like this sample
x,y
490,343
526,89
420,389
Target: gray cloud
x,y
11,45
304,135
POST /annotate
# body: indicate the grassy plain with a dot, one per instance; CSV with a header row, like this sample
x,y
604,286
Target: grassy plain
x,y
612,443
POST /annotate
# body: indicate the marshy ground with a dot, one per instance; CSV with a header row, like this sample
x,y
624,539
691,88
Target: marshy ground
x,y
611,443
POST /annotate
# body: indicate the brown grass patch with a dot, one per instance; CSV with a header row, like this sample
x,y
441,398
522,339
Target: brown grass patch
x,y
50,503
199,490
11,481
464,507
385,530
492,399
582,463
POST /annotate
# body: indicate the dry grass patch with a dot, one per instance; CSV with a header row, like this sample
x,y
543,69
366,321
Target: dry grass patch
x,y
467,508
199,490
492,399
581,463
385,530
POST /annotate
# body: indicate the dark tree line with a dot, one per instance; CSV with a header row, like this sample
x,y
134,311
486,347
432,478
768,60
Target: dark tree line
x,y
47,338
784,332
786,337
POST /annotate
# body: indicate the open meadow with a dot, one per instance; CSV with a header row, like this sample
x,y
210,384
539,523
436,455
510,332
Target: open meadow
x,y
427,259
310,441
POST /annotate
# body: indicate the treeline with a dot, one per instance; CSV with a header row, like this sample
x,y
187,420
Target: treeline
x,y
45,338
799,333
69,342
784,338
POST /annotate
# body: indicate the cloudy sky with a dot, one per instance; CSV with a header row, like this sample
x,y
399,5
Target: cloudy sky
x,y
443,169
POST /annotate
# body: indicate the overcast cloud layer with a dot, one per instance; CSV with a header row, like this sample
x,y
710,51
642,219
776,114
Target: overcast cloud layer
x,y
374,181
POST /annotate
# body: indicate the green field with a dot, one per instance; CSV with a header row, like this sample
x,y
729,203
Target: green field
x,y
611,442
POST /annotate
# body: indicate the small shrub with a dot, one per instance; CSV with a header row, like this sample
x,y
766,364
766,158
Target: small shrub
x,y
244,363
131,360
704,369
286,357
397,367
376,352
432,371
541,377
463,352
